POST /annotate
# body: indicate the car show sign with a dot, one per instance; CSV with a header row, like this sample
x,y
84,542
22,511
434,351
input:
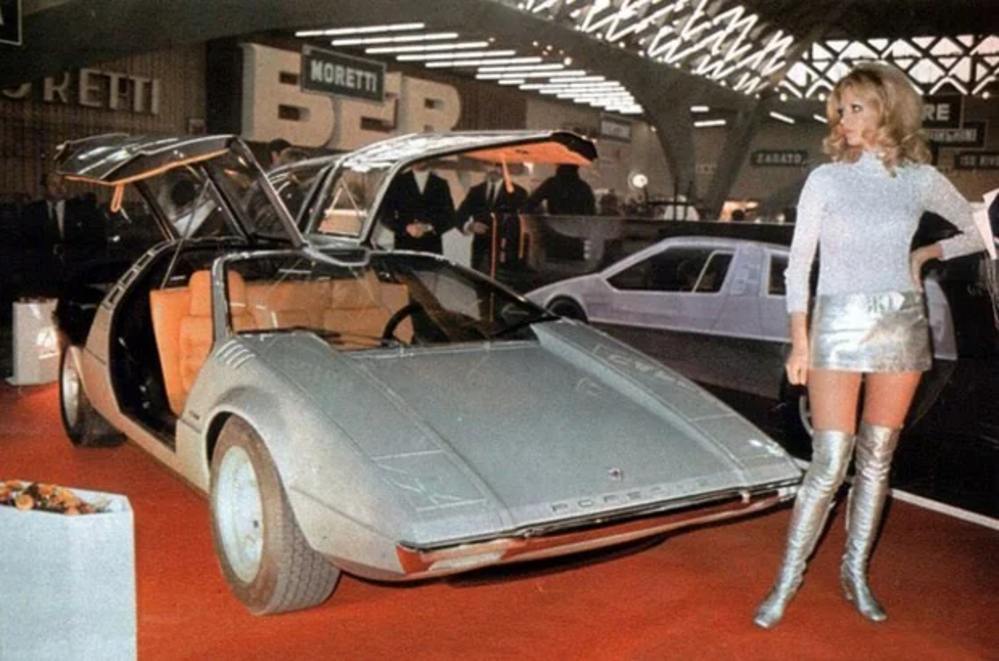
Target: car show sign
x,y
977,160
10,22
342,75
613,128
942,111
970,134
779,157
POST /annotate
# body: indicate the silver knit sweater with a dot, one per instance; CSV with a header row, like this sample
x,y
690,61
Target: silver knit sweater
x,y
864,219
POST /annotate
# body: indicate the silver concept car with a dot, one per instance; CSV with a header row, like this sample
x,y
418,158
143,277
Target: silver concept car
x,y
388,414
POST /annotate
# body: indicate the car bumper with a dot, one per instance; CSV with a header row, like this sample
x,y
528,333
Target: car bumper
x,y
568,537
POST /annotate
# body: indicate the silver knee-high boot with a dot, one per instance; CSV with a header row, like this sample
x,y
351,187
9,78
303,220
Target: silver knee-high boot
x,y
875,446
831,452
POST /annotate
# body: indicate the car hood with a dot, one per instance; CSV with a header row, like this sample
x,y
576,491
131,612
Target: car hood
x,y
570,426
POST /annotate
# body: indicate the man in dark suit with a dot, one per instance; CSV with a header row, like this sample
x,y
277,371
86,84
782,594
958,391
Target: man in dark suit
x,y
57,222
418,209
61,231
490,214
564,194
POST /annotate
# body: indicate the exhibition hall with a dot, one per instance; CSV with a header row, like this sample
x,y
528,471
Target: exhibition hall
x,y
491,329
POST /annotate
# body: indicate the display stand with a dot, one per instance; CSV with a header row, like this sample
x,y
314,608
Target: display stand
x,y
36,347
67,587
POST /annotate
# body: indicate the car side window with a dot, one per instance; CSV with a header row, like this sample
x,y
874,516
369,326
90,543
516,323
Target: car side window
x,y
348,206
775,281
294,185
713,274
680,269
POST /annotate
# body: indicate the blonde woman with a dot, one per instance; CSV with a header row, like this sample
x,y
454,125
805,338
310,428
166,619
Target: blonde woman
x,y
869,324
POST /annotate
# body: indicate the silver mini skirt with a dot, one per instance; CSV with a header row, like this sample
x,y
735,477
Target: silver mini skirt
x,y
885,332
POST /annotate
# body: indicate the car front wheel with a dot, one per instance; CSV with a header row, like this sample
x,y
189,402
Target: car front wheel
x,y
266,560
83,424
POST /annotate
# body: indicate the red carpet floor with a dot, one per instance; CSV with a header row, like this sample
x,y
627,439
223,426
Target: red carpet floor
x,y
691,596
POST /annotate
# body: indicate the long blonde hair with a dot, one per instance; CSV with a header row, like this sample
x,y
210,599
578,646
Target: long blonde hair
x,y
899,139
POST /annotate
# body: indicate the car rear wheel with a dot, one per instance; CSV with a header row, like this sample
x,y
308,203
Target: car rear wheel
x,y
83,424
266,560
566,307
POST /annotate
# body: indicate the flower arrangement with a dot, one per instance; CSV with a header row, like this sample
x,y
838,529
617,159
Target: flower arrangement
x,y
45,497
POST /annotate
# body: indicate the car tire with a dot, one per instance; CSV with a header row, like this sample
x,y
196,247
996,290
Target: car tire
x,y
83,424
566,307
266,560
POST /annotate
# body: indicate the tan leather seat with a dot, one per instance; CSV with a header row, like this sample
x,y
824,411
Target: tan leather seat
x,y
288,304
182,324
363,307
169,307
196,336
196,329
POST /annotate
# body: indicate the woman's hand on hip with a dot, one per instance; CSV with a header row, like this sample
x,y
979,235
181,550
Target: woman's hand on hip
x,y
918,259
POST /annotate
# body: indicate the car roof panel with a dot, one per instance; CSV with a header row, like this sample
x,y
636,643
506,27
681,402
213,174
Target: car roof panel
x,y
117,158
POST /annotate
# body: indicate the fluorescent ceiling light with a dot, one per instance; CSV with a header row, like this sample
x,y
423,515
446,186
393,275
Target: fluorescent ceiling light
x,y
511,81
586,78
782,118
366,29
429,57
528,67
597,92
461,45
362,41
572,83
529,74
479,63
820,119
708,123
700,109
596,87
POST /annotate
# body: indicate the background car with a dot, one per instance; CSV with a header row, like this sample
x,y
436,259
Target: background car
x,y
714,309
389,414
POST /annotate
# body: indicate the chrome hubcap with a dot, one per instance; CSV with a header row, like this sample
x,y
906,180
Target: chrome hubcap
x,y
239,513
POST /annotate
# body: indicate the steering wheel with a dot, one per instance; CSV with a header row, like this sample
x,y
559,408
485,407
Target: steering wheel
x,y
397,318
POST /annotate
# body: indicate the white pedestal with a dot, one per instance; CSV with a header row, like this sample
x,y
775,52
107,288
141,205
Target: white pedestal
x,y
67,583
36,346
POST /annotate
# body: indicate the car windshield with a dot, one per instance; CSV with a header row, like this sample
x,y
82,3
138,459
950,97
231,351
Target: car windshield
x,y
392,300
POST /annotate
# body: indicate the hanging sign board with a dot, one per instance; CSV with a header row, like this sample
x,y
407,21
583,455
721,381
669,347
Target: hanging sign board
x,y
342,75
10,22
977,160
779,158
612,128
971,134
942,112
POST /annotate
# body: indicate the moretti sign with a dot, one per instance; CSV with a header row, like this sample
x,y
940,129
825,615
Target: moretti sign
x,y
10,22
341,75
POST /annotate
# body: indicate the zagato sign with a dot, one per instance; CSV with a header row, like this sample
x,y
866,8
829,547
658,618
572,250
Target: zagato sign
x,y
336,74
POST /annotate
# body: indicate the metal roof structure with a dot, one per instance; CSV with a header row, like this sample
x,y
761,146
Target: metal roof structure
x,y
654,58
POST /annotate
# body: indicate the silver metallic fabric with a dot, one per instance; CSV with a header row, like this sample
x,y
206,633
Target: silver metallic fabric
x,y
885,332
875,447
831,452
861,216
